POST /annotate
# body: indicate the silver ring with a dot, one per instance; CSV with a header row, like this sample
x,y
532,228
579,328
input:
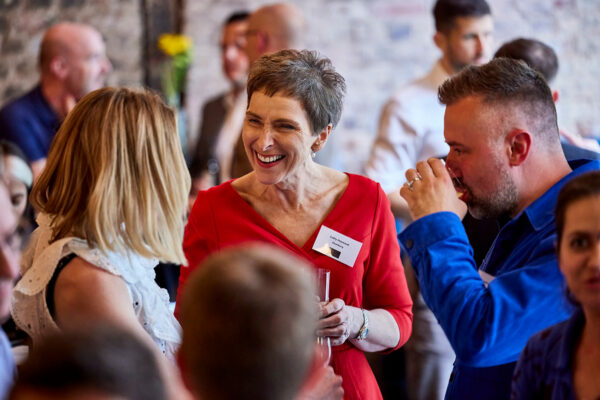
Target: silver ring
x,y
412,182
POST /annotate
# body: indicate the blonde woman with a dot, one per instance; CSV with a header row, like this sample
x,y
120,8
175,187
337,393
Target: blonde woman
x,y
112,197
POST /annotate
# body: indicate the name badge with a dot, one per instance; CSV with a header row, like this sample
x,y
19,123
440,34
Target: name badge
x,y
337,246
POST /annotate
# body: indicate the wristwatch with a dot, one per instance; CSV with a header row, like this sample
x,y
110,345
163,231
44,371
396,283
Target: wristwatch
x,y
364,329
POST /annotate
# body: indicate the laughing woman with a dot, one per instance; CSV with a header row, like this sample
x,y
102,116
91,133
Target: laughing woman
x,y
341,222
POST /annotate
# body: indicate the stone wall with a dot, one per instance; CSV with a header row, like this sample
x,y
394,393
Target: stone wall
x,y
23,23
378,45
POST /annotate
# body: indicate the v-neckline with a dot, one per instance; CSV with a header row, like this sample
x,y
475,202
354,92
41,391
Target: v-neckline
x,y
312,237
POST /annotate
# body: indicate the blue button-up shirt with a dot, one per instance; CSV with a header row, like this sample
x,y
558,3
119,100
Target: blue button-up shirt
x,y
30,123
489,324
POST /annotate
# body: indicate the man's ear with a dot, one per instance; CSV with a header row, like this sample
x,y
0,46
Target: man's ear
x,y
555,95
262,42
518,146
321,138
59,67
440,41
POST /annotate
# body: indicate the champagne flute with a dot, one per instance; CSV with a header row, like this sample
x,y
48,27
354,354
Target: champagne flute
x,y
323,277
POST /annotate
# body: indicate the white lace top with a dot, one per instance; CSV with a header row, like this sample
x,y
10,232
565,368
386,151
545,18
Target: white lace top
x,y
150,303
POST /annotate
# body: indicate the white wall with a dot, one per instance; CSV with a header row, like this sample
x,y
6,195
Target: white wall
x,y
378,45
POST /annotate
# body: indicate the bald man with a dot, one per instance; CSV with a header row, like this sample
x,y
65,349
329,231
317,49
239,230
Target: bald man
x,y
271,28
72,63
274,27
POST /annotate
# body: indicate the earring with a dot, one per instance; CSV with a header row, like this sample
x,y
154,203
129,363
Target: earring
x,y
313,154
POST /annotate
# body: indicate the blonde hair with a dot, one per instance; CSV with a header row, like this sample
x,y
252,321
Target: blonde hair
x,y
116,177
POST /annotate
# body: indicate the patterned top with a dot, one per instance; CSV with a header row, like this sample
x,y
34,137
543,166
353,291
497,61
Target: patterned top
x,y
150,303
545,367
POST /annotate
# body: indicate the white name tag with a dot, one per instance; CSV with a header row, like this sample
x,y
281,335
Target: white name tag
x,y
337,246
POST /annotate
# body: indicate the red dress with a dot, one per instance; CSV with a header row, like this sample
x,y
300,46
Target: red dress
x,y
221,218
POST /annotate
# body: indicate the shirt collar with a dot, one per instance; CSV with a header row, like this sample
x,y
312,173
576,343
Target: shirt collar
x,y
541,212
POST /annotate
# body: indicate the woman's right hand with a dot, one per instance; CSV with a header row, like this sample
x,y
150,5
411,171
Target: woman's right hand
x,y
337,321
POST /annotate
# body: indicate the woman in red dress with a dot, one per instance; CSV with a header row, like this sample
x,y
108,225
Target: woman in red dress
x,y
341,222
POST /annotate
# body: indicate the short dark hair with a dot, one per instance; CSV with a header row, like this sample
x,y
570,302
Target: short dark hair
x,y
103,359
249,320
446,11
237,16
305,76
536,54
508,82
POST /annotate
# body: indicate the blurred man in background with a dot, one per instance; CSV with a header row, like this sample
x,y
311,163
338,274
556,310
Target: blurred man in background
x,y
72,63
222,116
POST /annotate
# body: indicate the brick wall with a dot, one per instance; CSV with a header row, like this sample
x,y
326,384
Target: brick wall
x,y
377,45
23,23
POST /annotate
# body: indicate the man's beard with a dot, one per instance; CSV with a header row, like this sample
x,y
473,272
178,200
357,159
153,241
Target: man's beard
x,y
501,203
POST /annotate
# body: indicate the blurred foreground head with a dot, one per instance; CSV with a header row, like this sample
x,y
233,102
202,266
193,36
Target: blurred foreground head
x,y
98,363
249,321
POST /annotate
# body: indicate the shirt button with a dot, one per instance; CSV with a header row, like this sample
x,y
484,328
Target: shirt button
x,y
409,243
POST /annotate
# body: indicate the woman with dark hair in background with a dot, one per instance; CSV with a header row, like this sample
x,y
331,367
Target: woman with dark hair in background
x,y
18,176
563,361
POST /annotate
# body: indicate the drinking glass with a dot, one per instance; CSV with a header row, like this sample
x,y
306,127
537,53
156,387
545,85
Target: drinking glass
x,y
323,276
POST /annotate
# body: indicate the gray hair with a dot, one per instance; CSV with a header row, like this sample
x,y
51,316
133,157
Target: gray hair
x,y
305,76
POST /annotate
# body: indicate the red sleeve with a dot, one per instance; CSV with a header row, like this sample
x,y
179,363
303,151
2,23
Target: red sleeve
x,y
385,283
199,240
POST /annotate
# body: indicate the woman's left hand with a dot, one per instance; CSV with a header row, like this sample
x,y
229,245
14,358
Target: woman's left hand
x,y
337,321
